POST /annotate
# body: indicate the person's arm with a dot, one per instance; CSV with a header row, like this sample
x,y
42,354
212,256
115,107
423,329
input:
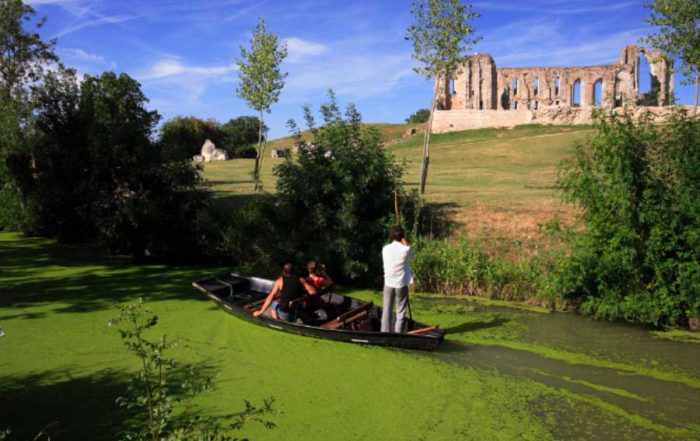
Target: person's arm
x,y
270,297
327,281
307,286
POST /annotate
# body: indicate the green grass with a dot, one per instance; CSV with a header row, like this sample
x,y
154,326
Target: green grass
x,y
492,181
59,361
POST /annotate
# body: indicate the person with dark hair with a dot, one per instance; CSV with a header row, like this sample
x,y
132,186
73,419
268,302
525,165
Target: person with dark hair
x,y
286,289
318,276
396,258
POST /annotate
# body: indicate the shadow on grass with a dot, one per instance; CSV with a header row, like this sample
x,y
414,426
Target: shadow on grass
x,y
436,220
82,408
82,279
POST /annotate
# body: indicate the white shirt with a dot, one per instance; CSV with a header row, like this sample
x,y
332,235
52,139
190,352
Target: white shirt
x,y
397,272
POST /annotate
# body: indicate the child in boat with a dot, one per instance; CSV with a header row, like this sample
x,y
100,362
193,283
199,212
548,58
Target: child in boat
x,y
286,289
318,276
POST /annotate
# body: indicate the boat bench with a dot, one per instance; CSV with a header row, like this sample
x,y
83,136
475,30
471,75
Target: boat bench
x,y
348,317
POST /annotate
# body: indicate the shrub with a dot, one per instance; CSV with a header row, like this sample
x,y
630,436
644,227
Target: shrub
x,y
420,116
93,174
182,137
335,200
242,134
463,267
153,392
637,184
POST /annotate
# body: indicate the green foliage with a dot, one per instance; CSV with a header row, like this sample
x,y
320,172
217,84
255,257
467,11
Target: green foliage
x,y
22,63
24,54
261,80
335,200
463,267
93,172
677,23
151,392
639,256
419,116
442,35
182,137
242,133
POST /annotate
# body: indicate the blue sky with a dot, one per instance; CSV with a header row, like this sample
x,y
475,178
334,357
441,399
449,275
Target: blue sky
x,y
183,52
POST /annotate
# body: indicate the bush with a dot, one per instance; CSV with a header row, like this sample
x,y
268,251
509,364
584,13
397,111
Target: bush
x,y
153,393
182,137
420,116
637,184
242,134
463,267
93,173
335,200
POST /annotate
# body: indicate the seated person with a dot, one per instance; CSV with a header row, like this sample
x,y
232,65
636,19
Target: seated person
x,y
286,289
318,276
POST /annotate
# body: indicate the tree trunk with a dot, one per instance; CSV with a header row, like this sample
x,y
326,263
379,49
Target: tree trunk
x,y
426,143
697,89
258,157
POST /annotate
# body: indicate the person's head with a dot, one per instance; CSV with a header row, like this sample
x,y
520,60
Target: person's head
x,y
287,269
396,233
312,267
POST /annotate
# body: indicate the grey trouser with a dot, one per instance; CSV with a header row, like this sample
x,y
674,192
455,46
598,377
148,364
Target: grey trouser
x,y
390,324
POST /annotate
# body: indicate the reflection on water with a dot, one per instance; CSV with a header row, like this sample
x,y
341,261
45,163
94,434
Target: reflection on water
x,y
600,380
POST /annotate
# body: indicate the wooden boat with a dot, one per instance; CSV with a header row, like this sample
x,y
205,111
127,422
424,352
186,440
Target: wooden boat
x,y
334,316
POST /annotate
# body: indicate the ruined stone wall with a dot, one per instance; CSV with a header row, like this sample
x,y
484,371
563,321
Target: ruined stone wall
x,y
479,85
468,119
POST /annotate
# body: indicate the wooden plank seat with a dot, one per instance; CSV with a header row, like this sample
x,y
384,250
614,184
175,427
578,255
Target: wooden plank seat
x,y
348,317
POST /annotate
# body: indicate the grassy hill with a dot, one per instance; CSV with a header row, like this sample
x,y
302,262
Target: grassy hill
x,y
492,182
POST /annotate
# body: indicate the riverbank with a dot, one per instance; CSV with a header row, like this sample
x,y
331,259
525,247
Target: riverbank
x,y
502,373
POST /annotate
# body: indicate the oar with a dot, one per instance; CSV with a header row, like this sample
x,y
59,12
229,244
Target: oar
x,y
396,208
397,219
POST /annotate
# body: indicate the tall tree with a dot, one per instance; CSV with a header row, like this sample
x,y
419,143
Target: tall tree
x,y
261,80
442,35
678,23
23,57
23,54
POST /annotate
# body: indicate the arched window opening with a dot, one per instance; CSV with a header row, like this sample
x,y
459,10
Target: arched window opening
x,y
515,105
481,105
556,103
452,87
644,75
535,105
556,86
576,94
515,86
598,93
649,86
536,86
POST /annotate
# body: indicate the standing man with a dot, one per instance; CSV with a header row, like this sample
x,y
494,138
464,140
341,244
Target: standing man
x,y
397,277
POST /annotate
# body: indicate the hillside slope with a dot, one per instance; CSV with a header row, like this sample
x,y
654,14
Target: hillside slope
x,y
492,182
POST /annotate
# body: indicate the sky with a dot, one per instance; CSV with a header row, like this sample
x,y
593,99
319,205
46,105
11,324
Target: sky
x,y
184,52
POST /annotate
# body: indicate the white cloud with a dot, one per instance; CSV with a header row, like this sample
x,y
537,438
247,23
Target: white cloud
x,y
299,49
179,87
85,61
547,9
97,20
174,68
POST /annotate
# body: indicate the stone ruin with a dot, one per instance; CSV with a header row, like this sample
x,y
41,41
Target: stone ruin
x,y
482,95
211,153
